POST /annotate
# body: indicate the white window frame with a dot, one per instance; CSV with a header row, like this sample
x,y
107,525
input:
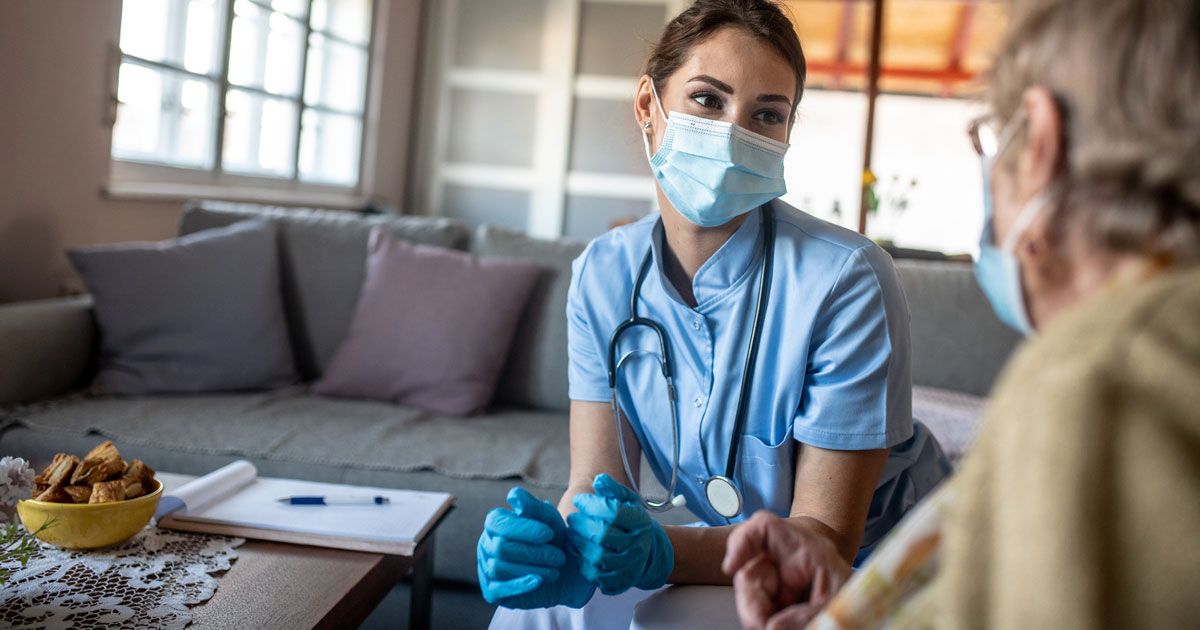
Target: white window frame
x,y
133,179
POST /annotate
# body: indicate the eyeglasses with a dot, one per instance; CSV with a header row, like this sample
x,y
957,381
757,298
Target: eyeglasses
x,y
988,138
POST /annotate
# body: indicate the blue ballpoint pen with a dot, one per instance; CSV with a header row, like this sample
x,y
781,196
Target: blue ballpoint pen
x,y
348,499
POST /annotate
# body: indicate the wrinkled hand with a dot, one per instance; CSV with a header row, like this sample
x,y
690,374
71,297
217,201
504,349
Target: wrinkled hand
x,y
619,544
523,559
783,575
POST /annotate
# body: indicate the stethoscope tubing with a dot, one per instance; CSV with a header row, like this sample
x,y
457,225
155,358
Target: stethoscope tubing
x,y
768,219
760,311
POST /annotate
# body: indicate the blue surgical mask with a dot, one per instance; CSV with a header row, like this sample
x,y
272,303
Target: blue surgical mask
x,y
997,268
713,171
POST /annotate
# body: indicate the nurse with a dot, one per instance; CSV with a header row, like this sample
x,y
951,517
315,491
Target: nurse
x,y
786,339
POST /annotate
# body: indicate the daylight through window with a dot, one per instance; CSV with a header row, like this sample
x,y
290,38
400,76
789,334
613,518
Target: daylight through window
x,y
261,88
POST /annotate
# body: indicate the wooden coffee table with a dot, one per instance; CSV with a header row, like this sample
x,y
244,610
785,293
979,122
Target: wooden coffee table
x,y
280,585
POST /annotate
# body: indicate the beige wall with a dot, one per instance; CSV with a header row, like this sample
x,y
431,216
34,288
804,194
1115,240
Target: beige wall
x,y
54,143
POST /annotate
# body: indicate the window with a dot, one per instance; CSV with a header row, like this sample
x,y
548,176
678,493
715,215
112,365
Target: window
x,y
930,193
270,92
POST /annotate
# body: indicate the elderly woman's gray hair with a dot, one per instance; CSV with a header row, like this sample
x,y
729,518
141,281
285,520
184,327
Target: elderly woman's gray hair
x,y
1126,75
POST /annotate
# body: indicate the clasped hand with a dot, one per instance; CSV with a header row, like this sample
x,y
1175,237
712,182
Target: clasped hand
x,y
528,557
619,544
783,575
523,559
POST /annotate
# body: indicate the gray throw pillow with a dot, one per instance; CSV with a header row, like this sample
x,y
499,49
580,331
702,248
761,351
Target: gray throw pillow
x,y
194,314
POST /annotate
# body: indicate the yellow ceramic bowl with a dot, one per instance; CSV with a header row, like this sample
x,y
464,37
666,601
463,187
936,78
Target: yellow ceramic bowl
x,y
89,525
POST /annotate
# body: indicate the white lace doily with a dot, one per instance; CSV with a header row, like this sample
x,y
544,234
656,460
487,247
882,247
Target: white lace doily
x,y
146,582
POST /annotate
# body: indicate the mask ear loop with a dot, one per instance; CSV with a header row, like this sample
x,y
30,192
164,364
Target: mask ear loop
x,y
1032,210
646,125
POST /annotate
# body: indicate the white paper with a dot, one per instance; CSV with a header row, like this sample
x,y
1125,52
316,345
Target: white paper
x,y
208,489
224,481
254,503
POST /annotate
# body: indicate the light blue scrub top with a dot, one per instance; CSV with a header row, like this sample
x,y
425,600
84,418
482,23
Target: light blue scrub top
x,y
833,367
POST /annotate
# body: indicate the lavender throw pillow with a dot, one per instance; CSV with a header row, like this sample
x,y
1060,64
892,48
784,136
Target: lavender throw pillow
x,y
432,327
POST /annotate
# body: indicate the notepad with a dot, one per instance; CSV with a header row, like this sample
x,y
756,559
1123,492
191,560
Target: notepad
x,y
235,501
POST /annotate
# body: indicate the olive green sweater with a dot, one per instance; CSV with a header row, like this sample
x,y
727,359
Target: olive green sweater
x,y
1079,505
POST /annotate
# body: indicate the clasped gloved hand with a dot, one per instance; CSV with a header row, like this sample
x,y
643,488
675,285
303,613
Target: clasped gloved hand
x,y
620,545
523,558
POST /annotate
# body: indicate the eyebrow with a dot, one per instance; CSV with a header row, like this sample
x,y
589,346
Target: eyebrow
x,y
725,87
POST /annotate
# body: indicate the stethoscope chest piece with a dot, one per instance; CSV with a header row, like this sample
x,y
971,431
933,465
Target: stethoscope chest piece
x,y
723,496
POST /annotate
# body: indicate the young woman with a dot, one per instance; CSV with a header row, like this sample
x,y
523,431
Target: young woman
x,y
785,340
1079,506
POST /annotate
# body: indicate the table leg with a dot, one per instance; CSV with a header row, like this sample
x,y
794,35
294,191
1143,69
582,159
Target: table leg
x,y
421,604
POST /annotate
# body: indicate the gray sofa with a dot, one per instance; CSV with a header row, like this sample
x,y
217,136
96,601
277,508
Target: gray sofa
x,y
47,353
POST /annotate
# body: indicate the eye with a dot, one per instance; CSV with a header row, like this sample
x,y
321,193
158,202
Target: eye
x,y
770,117
707,100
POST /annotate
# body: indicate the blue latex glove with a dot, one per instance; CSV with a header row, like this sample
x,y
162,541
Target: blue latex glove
x,y
621,546
523,559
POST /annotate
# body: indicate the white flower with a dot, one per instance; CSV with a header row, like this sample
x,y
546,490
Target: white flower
x,y
16,481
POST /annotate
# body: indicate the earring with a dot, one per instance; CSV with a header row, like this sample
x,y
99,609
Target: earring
x,y
646,126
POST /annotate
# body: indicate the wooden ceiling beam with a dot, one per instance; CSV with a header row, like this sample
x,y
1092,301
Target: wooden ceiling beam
x,y
873,71
962,33
890,72
845,31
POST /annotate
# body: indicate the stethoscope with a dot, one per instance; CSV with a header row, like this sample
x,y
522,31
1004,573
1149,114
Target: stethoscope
x,y
720,490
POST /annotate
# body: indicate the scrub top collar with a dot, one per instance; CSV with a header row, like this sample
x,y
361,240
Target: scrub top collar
x,y
737,257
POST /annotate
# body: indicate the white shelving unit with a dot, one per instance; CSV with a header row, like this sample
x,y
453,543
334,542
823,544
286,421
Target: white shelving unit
x,y
526,116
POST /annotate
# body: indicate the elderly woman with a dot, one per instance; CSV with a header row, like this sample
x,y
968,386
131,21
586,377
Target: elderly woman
x,y
1080,505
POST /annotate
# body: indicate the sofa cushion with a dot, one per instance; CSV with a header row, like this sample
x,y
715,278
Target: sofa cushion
x,y
952,417
322,256
291,424
432,327
198,313
958,343
536,372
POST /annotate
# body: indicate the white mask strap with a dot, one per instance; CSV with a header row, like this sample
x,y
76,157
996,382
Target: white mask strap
x,y
1025,219
645,134
657,100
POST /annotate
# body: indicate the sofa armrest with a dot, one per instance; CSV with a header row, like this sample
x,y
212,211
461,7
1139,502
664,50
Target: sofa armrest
x,y
46,347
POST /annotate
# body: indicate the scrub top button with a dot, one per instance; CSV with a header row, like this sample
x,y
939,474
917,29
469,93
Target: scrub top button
x,y
697,402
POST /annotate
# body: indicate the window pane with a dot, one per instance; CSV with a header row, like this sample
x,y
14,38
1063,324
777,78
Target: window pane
x,y
199,54
139,96
329,148
348,19
260,134
266,50
144,28
505,35
336,75
929,180
181,33
163,117
589,217
492,128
